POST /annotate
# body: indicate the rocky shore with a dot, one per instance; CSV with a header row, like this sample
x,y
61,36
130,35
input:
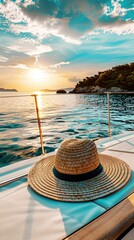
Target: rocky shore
x,y
96,90
118,79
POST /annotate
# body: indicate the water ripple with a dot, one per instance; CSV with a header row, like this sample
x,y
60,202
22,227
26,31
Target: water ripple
x,y
62,117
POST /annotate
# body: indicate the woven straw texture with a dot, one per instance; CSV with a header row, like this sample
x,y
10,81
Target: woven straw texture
x,y
114,176
76,157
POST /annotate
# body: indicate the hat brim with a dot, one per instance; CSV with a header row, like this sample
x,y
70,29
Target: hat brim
x,y
114,176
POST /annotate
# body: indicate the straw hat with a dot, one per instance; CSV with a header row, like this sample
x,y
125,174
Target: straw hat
x,y
78,173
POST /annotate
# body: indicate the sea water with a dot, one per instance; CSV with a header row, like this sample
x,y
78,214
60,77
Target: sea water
x,y
62,116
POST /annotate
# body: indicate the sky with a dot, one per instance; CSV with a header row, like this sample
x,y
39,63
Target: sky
x,y
56,43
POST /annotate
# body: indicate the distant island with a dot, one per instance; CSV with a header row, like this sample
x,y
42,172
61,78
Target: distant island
x,y
61,91
48,90
55,90
7,90
118,79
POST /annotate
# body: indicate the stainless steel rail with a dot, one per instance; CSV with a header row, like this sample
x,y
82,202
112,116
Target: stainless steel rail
x,y
109,124
108,107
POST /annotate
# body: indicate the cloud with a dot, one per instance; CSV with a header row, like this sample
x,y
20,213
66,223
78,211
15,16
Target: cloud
x,y
73,20
30,47
14,57
19,66
56,27
27,2
3,59
42,9
67,19
119,29
70,20
11,11
115,18
58,65
117,9
40,49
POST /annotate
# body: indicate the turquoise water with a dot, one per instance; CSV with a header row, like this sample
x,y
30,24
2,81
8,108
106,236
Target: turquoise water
x,y
62,116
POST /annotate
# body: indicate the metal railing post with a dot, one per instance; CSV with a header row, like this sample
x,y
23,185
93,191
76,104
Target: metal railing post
x,y
39,123
108,102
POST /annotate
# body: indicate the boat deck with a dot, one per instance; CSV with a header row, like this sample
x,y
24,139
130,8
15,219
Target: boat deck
x,y
104,218
116,221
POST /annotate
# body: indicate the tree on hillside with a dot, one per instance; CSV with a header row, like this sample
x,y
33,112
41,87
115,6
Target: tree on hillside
x,y
102,80
130,82
119,76
132,66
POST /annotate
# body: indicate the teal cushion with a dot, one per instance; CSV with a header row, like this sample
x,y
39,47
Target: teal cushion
x,y
114,198
74,215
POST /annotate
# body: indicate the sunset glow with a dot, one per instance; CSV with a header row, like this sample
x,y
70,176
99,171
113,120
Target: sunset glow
x,y
36,74
57,48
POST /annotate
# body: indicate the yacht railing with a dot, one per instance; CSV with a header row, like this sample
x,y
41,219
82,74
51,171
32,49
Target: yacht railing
x,y
38,112
39,122
108,107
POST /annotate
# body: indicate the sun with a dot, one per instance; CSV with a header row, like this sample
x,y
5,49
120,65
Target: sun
x,y
38,79
36,74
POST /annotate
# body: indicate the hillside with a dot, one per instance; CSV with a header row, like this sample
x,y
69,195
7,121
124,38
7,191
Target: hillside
x,y
119,78
7,90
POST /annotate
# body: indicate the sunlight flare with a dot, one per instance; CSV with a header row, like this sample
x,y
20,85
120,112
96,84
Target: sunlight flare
x,y
37,74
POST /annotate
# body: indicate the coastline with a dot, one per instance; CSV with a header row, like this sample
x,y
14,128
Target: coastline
x,y
8,90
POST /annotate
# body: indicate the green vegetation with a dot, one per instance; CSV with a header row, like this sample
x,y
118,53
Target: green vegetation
x,y
121,76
